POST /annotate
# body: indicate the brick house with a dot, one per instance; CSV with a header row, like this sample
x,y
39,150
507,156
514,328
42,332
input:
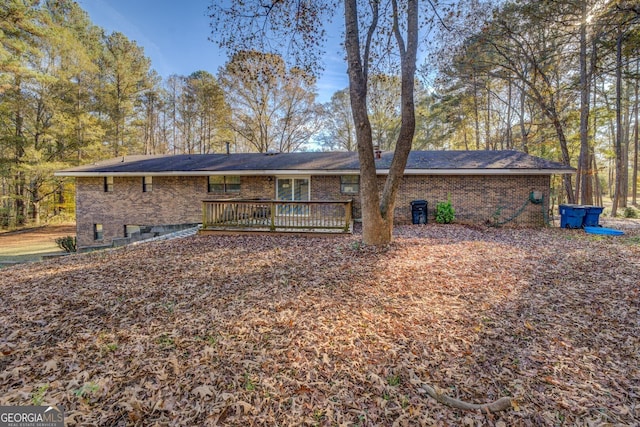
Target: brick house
x,y
119,199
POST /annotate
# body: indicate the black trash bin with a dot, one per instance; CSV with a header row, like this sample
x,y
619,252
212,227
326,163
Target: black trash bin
x,y
419,211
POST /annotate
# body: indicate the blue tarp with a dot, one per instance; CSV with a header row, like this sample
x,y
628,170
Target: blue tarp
x,y
605,231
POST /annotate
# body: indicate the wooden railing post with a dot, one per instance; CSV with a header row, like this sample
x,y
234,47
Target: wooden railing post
x,y
204,215
347,216
272,210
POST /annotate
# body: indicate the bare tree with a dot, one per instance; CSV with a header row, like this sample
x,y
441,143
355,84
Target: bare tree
x,y
338,127
373,29
273,107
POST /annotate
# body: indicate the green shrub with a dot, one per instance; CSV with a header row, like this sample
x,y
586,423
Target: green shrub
x,y
67,243
630,212
445,213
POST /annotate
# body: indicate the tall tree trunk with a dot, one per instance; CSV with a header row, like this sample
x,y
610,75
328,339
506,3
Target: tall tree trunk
x,y
598,188
464,136
617,195
612,178
19,194
508,136
35,214
378,210
476,115
626,137
564,149
408,55
634,183
20,180
584,184
373,226
612,145
487,129
524,133
174,116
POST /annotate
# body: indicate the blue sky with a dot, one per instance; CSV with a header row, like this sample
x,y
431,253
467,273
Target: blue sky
x,y
174,35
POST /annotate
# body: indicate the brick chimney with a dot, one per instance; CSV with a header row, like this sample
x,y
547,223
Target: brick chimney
x,y
377,152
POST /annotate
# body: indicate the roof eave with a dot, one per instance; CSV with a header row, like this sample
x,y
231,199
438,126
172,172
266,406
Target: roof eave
x,y
469,171
89,174
315,172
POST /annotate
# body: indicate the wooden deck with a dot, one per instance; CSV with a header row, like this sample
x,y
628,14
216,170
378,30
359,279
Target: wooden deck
x,y
317,217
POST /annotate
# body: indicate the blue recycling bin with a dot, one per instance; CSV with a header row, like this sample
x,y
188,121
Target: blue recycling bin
x,y
419,212
592,216
572,216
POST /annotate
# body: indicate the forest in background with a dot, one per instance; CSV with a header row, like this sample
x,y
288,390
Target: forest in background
x,y
559,80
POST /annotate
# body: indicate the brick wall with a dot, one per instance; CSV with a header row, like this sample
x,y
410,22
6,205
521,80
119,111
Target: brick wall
x,y
178,200
476,199
328,188
173,200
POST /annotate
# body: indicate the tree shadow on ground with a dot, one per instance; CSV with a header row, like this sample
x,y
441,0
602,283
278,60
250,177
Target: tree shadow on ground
x,y
267,330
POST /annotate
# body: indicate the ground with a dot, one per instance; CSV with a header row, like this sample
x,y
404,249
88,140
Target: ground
x,y
31,244
265,330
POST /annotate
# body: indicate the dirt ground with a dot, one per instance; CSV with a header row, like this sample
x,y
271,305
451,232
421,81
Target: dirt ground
x,y
32,243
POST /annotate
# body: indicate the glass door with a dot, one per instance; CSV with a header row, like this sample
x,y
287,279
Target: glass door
x,y
293,190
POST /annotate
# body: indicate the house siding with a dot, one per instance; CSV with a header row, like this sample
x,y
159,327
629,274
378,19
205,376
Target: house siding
x,y
178,200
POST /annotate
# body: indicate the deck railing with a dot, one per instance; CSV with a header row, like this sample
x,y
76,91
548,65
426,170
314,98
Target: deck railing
x,y
277,215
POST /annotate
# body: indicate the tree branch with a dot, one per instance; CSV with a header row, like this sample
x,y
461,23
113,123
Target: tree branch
x,y
438,15
396,29
501,404
375,11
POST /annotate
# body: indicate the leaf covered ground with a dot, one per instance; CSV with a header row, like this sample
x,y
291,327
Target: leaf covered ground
x,y
281,330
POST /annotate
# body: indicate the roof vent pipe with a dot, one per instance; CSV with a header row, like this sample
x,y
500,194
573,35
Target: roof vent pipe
x,y
228,150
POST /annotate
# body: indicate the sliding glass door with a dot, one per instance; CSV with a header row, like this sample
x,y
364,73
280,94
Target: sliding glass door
x,y
293,190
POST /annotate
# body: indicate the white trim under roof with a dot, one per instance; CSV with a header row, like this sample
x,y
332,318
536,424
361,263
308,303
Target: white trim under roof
x,y
88,174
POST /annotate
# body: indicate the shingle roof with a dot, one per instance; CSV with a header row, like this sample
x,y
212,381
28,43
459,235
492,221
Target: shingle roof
x,y
317,163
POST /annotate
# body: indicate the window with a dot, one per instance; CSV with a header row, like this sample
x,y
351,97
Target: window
x,y
129,230
97,232
147,184
224,184
232,184
350,184
108,184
